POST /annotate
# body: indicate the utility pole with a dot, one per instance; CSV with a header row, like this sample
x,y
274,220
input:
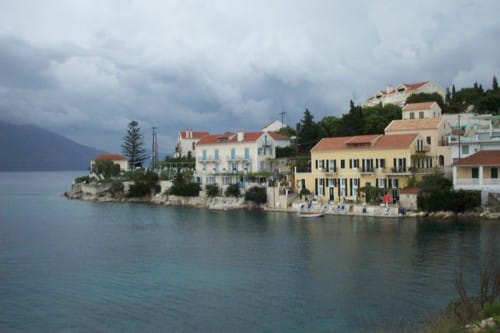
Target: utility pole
x,y
154,150
282,113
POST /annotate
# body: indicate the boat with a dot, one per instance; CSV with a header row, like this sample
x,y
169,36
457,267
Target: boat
x,y
307,213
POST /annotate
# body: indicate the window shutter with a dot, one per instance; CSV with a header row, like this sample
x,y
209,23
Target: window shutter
x,y
316,186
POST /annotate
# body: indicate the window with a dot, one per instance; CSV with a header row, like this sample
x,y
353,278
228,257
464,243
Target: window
x,y
428,139
475,173
412,115
342,164
216,153
331,182
381,183
233,153
321,186
247,153
204,154
421,115
332,165
319,164
465,149
494,173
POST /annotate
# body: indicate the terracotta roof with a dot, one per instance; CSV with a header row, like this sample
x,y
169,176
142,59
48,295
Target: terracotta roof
x,y
409,87
413,86
376,142
418,106
230,138
278,136
362,139
194,134
110,157
395,141
483,157
409,190
413,124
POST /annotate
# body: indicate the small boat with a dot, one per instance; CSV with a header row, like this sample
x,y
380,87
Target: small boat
x,y
306,213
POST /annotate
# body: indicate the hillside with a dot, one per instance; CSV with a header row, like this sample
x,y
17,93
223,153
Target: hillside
x,y
31,148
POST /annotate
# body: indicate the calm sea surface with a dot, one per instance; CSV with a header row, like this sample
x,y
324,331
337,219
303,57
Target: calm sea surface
x,y
75,266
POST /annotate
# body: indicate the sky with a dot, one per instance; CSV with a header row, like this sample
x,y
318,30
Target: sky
x,y
85,69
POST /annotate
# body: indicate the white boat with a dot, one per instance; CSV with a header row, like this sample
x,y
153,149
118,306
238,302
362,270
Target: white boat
x,y
306,213
310,212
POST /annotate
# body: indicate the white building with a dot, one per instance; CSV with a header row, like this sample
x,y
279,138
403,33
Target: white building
x,y
225,158
398,95
186,142
115,158
478,172
274,126
473,133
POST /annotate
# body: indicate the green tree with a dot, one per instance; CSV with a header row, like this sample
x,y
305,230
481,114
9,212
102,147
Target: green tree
x,y
329,126
133,145
105,169
307,132
287,131
495,83
426,97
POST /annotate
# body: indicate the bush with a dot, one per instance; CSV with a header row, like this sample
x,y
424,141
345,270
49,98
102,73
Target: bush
x,y
83,179
232,190
455,201
185,189
138,190
212,190
256,194
116,188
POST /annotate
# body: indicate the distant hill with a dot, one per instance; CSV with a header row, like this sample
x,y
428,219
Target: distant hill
x,y
31,148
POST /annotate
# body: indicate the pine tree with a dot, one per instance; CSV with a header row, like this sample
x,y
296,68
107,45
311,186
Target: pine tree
x,y
133,146
495,83
447,97
453,91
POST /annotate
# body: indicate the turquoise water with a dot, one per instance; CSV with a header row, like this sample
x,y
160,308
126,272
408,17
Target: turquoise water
x,y
75,266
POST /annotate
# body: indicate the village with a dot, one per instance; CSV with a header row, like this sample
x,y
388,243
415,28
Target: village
x,y
372,174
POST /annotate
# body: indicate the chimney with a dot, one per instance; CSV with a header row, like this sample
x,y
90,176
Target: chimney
x,y
240,136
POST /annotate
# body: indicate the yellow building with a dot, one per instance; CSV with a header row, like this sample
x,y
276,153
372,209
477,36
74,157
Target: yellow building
x,y
341,166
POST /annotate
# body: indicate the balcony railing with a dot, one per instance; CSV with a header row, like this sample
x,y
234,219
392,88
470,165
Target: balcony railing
x,y
207,159
237,158
367,170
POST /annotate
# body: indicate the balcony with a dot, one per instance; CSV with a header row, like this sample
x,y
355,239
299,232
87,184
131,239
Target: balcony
x,y
424,149
367,170
238,158
397,171
207,159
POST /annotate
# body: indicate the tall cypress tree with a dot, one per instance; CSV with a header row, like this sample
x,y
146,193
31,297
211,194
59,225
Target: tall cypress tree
x,y
133,146
495,83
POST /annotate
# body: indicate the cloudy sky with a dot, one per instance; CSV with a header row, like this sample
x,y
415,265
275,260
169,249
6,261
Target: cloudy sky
x,y
85,68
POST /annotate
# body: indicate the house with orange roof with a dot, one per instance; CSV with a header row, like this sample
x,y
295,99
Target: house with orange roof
x,y
115,158
479,172
186,142
436,132
340,166
398,95
227,158
424,110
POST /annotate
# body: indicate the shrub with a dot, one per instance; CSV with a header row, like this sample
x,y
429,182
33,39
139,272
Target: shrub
x,y
138,190
455,201
185,189
256,194
232,190
82,179
212,190
116,188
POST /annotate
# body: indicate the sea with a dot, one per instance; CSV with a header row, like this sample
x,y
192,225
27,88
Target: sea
x,y
80,266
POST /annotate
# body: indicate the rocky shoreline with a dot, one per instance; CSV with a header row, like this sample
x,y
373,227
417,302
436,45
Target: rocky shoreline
x,y
101,193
